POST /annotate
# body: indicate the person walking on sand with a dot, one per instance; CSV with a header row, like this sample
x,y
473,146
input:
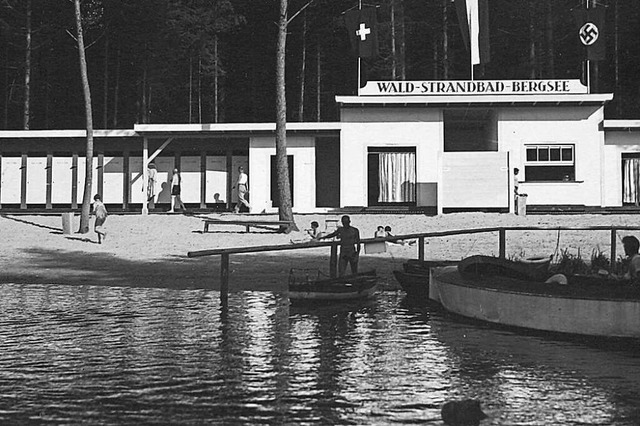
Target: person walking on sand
x,y
349,245
151,185
100,211
176,181
243,189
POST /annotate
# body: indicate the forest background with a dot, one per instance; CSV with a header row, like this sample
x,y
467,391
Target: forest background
x,y
208,61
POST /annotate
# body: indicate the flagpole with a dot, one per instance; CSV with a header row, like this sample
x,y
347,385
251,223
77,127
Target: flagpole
x,y
587,62
470,43
359,64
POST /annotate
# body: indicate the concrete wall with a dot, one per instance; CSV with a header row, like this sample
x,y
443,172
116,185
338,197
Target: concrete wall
x,y
419,128
579,126
616,144
302,148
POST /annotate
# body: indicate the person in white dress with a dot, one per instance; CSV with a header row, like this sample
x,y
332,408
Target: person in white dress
x,y
243,188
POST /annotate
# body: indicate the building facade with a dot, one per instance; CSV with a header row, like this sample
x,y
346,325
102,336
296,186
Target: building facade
x,y
432,146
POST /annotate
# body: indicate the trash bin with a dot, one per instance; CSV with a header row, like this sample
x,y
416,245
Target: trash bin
x,y
522,204
67,223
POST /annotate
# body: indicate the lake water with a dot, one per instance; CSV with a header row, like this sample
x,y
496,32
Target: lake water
x,y
106,355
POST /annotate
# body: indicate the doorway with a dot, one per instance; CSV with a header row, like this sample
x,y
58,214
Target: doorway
x,y
631,179
391,176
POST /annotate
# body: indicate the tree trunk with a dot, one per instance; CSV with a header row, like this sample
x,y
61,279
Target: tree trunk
x,y
190,89
551,53
394,55
105,100
216,115
116,90
5,118
282,168
27,71
199,88
616,52
400,40
532,42
303,68
143,101
86,200
318,81
445,40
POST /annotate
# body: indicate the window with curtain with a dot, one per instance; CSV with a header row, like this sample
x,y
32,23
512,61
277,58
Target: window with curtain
x,y
397,177
630,180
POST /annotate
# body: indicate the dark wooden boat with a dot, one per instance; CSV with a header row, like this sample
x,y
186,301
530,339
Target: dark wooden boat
x,y
533,269
310,287
416,266
414,284
414,278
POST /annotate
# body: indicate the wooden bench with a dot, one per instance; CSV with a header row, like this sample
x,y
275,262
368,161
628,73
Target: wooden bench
x,y
247,223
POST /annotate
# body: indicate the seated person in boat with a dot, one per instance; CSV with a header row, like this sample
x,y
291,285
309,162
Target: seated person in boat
x,y
631,247
380,232
349,245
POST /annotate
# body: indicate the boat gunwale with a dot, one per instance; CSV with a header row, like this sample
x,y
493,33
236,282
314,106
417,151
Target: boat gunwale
x,y
480,286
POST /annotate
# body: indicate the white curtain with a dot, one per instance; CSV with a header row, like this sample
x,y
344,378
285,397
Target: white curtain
x,y
631,180
397,171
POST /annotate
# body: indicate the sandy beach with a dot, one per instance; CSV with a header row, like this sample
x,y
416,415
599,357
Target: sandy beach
x,y
151,251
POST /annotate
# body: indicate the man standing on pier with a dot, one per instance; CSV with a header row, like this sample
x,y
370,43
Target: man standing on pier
x,y
349,245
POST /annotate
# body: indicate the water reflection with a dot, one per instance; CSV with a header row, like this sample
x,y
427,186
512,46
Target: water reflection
x,y
131,356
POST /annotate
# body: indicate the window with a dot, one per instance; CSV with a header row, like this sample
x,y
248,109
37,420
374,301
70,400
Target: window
x,y
549,163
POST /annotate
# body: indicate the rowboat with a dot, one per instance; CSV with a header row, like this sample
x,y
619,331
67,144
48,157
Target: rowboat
x,y
414,278
315,288
585,305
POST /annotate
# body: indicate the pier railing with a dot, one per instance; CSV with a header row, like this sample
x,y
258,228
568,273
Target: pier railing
x,y
224,253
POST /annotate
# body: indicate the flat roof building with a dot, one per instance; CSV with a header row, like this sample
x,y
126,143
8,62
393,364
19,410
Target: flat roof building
x,y
430,146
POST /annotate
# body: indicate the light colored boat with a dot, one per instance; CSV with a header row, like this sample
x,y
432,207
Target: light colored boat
x,y
350,287
594,307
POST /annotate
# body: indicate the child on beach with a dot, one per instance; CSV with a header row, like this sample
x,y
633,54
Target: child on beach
x,y
101,213
387,231
314,232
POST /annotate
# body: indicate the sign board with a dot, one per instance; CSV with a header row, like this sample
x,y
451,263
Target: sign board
x,y
473,87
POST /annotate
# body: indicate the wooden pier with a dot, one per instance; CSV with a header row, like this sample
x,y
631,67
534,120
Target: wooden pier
x,y
224,253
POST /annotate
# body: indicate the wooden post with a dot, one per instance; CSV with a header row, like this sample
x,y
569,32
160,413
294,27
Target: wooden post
x,y
229,168
126,179
613,250
203,179
74,181
503,243
145,176
224,278
100,176
23,185
421,249
333,262
49,168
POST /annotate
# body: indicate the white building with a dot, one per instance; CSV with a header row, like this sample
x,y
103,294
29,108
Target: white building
x,y
433,146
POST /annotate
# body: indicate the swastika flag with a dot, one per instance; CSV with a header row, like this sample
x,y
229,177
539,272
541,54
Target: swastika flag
x,y
590,24
361,25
